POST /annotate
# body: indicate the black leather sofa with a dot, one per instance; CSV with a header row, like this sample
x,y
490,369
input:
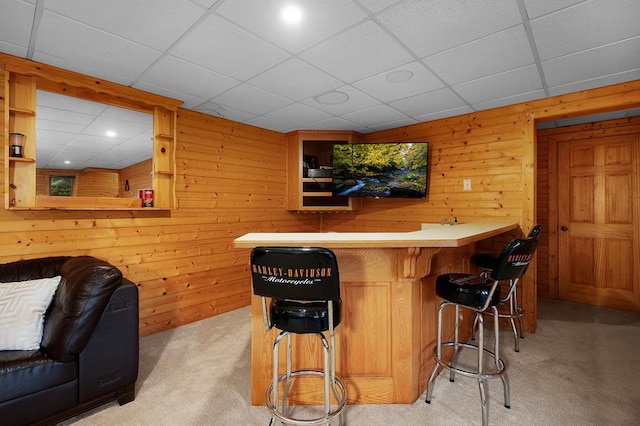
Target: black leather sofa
x,y
89,351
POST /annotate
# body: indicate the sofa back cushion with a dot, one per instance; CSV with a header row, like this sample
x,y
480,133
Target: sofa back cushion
x,y
32,269
85,288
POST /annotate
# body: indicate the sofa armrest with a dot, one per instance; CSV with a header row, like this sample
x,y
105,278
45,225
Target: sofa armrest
x,y
109,362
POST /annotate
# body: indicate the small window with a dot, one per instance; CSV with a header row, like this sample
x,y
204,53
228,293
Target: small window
x,y
61,186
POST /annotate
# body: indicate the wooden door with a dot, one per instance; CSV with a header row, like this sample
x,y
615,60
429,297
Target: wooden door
x,y
598,197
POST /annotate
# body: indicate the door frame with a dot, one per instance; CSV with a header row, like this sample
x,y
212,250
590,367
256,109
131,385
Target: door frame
x,y
608,127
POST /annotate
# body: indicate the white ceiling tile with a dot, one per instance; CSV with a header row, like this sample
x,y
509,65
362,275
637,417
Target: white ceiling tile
x,y
611,59
222,111
189,100
536,8
422,81
297,114
425,103
295,79
337,123
509,100
320,20
358,53
584,26
128,115
357,101
13,49
510,83
444,113
124,129
252,99
55,140
373,116
69,103
428,27
407,121
595,82
60,126
86,68
493,54
15,23
57,115
205,3
267,123
376,6
64,38
221,46
187,78
153,23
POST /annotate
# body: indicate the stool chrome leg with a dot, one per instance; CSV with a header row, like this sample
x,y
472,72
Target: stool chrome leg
x,y
276,376
438,353
480,374
498,362
456,343
287,384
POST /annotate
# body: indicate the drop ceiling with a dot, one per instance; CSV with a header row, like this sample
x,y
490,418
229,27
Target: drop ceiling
x,y
364,65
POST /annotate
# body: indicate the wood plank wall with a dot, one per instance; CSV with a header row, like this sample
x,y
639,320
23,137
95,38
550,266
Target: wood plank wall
x,y
231,179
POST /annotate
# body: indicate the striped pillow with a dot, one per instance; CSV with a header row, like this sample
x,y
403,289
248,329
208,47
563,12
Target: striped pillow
x,y
22,308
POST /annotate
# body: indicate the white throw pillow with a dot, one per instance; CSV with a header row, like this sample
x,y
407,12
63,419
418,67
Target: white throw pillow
x,y
22,308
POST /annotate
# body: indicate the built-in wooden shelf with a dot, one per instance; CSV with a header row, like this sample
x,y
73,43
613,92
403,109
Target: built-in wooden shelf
x,y
22,159
22,111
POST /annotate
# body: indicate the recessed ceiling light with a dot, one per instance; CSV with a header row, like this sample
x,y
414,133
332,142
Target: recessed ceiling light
x,y
111,133
399,76
67,162
291,14
332,98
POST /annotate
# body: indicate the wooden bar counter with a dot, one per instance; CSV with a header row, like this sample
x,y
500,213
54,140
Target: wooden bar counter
x,y
385,340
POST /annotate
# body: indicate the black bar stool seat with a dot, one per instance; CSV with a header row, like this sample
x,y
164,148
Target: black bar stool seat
x,y
467,289
303,317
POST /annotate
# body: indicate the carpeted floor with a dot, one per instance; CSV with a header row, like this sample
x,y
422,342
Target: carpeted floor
x,y
582,367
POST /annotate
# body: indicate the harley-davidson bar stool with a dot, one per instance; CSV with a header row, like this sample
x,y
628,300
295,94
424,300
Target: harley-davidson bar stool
x,y
479,294
303,286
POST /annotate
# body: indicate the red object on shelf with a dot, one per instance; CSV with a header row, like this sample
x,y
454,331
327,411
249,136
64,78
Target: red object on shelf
x,y
147,197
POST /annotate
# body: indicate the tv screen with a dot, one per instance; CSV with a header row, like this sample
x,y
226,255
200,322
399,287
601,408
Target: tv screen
x,y
380,170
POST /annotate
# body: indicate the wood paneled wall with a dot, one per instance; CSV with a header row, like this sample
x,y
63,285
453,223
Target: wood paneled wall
x,y
231,179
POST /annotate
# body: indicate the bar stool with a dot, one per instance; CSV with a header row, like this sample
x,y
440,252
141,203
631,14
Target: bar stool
x,y
514,311
479,294
304,287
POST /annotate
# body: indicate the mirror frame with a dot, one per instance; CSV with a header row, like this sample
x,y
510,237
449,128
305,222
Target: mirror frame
x,y
69,83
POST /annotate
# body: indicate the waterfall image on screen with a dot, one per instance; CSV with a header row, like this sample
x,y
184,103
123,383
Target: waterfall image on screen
x,y
380,170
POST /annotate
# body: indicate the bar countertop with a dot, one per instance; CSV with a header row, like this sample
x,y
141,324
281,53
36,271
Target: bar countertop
x,y
431,235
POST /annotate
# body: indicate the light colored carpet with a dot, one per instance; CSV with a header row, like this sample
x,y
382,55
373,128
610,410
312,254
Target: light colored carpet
x,y
582,367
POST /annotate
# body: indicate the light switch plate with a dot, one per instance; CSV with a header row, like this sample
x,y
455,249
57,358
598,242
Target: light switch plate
x,y
466,185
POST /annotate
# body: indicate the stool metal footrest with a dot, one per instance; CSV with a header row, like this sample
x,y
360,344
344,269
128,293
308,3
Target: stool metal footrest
x,y
501,367
339,393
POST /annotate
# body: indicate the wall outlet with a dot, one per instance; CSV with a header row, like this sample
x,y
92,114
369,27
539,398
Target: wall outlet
x,y
466,185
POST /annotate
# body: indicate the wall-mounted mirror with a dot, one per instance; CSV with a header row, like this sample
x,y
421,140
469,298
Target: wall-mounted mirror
x,y
106,149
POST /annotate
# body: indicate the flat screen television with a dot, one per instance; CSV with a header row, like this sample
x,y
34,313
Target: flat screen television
x,y
380,170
